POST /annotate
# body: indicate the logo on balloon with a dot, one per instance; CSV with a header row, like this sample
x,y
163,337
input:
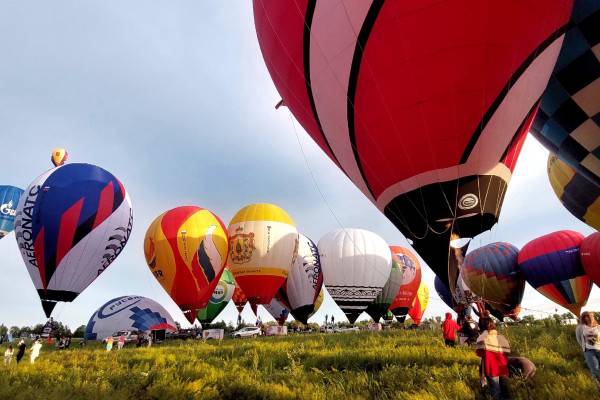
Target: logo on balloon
x,y
242,246
7,209
468,201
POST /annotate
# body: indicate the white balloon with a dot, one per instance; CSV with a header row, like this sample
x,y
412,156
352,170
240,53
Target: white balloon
x,y
128,313
278,311
305,279
356,266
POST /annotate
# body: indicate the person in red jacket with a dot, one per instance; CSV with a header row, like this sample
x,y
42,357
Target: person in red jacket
x,y
493,349
449,327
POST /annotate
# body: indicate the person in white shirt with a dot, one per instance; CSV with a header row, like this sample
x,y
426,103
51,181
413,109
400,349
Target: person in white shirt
x,y
8,355
588,337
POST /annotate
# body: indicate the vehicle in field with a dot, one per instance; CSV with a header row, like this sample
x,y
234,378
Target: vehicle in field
x,y
348,329
249,331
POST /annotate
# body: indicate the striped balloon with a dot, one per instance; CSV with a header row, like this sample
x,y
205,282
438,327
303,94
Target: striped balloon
x,y
551,264
568,121
9,199
590,256
577,194
72,222
492,273
186,250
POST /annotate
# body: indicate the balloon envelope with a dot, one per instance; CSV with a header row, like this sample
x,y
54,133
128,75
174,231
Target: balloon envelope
x,y
420,304
72,222
304,282
551,264
59,156
576,193
263,246
239,299
363,79
9,200
186,250
218,301
590,256
128,313
356,265
379,307
278,311
567,123
492,272
411,279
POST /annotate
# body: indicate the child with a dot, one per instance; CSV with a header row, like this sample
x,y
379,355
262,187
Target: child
x,y
8,354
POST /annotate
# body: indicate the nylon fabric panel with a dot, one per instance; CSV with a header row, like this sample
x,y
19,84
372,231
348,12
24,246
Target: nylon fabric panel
x,y
411,278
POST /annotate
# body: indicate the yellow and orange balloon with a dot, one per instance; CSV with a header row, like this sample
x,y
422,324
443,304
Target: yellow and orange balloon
x,y
420,304
59,156
186,250
263,244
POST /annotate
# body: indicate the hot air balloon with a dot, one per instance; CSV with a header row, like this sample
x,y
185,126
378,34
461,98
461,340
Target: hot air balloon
x,y
278,310
590,256
239,299
304,282
9,199
356,265
577,194
411,279
72,222
443,292
186,250
59,156
492,272
420,304
128,313
421,105
567,123
218,301
379,307
551,264
263,246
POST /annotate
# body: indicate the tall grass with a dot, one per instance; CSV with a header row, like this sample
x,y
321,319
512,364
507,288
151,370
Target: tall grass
x,y
367,365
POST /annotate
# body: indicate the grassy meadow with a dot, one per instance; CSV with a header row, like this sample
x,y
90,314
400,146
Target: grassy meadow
x,y
394,364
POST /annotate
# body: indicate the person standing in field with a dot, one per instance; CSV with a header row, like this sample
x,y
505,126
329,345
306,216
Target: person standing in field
x,y
150,340
8,355
588,337
21,351
449,328
35,350
121,342
493,349
109,343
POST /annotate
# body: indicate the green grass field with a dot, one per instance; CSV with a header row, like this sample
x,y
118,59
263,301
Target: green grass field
x,y
394,364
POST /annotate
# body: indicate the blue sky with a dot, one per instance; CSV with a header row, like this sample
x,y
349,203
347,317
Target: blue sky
x,y
175,100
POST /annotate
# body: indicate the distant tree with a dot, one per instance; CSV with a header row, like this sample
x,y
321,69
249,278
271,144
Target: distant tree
x,y
15,331
528,319
314,327
38,329
79,332
3,330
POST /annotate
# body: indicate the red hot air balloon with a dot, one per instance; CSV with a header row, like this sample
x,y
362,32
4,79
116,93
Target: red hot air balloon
x,y
551,264
411,279
590,256
423,105
239,299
